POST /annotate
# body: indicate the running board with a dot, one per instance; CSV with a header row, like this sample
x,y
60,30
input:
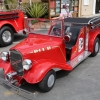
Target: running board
x,y
74,62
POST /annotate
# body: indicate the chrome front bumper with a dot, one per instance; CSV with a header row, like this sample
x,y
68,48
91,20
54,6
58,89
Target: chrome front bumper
x,y
17,90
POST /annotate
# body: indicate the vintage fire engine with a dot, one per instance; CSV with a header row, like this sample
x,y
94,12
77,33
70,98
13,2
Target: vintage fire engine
x,y
10,22
52,45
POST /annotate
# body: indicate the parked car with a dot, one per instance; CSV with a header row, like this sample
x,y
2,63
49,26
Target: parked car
x,y
11,22
52,45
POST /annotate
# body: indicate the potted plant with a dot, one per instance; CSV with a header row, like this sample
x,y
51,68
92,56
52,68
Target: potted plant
x,y
36,10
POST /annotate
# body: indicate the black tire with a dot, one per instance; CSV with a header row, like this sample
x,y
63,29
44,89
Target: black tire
x,y
46,84
96,47
6,36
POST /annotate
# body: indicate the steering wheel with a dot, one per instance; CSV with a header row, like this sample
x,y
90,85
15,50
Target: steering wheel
x,y
57,32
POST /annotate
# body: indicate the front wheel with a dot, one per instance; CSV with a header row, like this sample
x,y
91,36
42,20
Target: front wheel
x,y
96,47
48,81
6,36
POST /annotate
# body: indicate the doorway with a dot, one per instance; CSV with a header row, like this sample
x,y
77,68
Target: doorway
x,y
97,10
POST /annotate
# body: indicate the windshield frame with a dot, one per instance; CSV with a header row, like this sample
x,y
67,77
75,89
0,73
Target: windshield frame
x,y
26,24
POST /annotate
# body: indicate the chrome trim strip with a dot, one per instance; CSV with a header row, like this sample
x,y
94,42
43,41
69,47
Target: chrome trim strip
x,y
93,19
16,23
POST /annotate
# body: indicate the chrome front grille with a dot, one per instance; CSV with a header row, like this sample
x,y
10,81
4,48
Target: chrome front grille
x,y
16,61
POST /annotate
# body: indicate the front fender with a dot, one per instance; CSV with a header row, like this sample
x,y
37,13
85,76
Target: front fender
x,y
38,71
5,66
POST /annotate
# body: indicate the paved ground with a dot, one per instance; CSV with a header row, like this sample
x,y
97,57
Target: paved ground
x,y
83,83
17,39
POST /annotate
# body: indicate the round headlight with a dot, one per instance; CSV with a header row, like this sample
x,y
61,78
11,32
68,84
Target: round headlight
x,y
4,56
27,64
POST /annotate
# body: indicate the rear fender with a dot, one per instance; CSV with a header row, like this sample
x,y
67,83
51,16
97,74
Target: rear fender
x,y
92,38
11,24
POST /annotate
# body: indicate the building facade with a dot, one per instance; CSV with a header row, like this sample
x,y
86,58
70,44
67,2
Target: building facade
x,y
79,7
84,7
89,7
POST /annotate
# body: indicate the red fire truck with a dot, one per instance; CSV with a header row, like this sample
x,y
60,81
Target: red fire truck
x,y
10,22
52,45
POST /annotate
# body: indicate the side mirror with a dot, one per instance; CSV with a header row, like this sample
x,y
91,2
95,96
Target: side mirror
x,y
68,36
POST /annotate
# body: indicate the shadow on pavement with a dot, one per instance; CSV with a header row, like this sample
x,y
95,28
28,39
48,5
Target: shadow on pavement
x,y
19,37
30,91
34,88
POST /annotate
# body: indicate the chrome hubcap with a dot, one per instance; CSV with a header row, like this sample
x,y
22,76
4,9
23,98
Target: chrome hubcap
x,y
97,47
51,80
6,36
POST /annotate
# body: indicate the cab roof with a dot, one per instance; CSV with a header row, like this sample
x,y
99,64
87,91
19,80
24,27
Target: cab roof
x,y
83,20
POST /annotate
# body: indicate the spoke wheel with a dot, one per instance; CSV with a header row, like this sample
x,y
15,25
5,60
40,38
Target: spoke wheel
x,y
48,81
96,47
6,36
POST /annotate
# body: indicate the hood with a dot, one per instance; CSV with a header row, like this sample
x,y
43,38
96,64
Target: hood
x,y
36,43
39,47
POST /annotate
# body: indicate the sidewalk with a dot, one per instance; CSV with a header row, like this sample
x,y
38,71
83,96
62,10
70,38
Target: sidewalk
x,y
91,15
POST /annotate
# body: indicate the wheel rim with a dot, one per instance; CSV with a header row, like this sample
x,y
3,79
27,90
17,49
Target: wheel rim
x,y
51,80
6,36
97,47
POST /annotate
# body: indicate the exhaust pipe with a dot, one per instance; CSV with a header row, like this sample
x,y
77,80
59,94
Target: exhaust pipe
x,y
9,76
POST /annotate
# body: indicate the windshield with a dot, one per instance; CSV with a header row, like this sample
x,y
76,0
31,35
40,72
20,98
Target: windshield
x,y
45,26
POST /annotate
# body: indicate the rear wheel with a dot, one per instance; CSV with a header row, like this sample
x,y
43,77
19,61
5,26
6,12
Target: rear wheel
x,y
48,81
6,36
96,47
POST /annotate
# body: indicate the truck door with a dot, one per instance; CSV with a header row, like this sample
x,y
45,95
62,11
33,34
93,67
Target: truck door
x,y
80,44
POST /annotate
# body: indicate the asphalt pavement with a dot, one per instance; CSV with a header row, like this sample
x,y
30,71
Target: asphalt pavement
x,y
83,83
17,39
